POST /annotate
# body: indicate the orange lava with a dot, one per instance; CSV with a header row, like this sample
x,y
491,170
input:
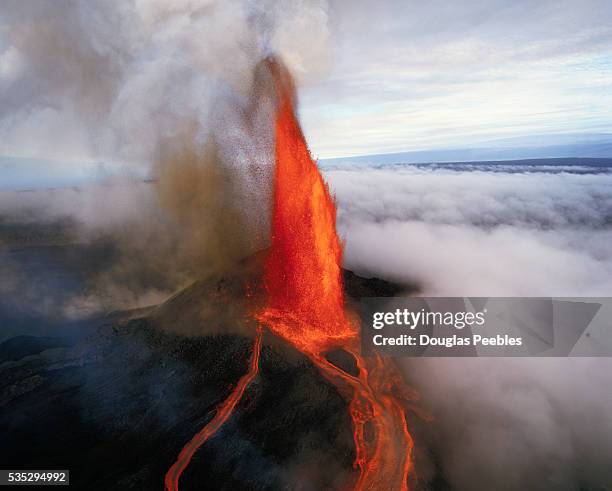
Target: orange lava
x,y
305,302
305,307
302,277
221,416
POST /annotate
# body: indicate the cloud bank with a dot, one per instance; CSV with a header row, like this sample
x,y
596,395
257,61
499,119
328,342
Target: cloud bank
x,y
507,424
479,233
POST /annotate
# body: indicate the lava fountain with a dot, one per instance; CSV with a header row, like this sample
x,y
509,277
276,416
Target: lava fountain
x,y
305,307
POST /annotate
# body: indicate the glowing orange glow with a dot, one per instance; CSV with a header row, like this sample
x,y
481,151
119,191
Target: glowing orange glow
x,y
305,302
222,414
303,276
305,306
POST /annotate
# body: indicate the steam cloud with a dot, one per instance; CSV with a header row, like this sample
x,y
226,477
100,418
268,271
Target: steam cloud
x,y
175,87
505,424
479,233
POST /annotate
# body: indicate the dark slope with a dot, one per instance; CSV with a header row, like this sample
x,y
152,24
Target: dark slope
x,y
117,407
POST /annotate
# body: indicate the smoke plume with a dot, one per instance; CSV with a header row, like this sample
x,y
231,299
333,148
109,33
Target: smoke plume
x,y
174,87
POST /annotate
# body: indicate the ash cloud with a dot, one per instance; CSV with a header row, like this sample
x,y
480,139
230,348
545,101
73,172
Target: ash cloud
x,y
507,424
126,77
175,87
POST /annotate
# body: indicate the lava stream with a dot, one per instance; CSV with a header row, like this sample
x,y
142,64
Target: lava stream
x,y
384,457
305,302
224,410
305,307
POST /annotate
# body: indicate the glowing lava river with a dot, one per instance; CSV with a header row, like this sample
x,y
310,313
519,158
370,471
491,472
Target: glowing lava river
x,y
305,307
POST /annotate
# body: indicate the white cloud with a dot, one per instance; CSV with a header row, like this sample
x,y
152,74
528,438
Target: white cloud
x,y
508,424
116,80
479,233
415,75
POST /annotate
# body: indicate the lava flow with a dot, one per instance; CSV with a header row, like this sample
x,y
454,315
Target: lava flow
x,y
305,307
305,302
224,411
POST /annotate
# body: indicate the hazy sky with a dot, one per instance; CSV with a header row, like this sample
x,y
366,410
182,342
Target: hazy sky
x,y
411,75
379,76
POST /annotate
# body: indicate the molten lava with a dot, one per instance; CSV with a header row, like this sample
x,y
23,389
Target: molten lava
x,y
305,307
224,411
303,276
303,281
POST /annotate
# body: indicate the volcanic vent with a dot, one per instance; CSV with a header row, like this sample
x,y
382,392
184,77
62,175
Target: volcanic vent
x,y
303,305
248,379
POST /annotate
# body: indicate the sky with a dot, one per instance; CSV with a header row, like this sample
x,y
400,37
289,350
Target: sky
x,y
375,76
412,75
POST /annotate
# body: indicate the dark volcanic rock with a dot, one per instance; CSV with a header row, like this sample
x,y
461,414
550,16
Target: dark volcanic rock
x,y
343,360
21,346
117,407
356,286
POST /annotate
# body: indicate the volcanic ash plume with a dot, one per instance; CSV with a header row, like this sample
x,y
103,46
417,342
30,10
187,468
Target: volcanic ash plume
x,y
172,87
